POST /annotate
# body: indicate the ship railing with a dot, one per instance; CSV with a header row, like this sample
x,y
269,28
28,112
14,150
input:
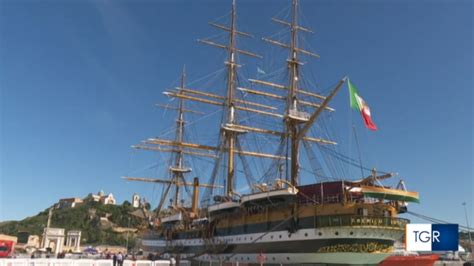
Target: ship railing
x,y
137,263
359,220
336,198
81,262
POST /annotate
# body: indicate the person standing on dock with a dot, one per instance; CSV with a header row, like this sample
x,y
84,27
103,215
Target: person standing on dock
x,y
120,259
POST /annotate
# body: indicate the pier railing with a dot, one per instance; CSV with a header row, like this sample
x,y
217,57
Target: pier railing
x,y
355,220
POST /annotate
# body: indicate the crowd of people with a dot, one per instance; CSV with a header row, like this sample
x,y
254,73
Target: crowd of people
x,y
117,257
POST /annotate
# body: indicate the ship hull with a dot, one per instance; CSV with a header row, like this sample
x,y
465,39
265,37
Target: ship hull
x,y
337,258
336,245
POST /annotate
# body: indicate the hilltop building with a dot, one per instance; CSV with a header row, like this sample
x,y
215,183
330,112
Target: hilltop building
x,y
75,201
135,200
102,198
69,202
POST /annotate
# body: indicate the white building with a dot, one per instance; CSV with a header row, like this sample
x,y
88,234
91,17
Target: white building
x,y
135,201
73,240
69,202
101,197
53,238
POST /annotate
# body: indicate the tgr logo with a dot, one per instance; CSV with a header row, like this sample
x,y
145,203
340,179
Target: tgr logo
x,y
431,237
424,236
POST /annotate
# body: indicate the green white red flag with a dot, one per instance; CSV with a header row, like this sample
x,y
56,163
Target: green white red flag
x,y
360,105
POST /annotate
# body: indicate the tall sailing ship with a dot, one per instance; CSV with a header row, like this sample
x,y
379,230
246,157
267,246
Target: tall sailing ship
x,y
275,218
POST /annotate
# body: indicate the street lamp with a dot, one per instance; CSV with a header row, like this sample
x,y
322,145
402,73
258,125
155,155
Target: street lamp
x,y
468,228
128,228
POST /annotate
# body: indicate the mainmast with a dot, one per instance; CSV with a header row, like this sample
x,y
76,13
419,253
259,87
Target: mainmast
x,y
229,128
292,106
229,135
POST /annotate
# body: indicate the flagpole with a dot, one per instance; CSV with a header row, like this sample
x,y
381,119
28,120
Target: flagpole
x,y
468,229
358,151
350,119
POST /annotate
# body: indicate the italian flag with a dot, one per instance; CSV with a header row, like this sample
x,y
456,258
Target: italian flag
x,y
360,105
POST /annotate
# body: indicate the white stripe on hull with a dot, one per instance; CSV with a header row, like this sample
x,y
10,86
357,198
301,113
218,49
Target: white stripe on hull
x,y
342,232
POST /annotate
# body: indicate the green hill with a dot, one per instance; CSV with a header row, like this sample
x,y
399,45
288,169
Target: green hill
x,y
86,218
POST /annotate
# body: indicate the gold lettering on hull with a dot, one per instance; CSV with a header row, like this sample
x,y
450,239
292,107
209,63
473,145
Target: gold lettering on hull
x,y
370,247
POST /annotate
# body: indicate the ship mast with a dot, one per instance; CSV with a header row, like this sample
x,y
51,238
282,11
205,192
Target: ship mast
x,y
294,116
229,129
230,136
292,124
297,123
178,170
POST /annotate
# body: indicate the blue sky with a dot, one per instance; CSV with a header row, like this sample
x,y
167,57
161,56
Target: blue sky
x,y
79,80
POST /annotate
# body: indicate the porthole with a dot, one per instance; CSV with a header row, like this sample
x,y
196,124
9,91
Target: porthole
x,y
336,233
320,234
288,258
251,238
306,234
271,237
280,236
351,233
248,258
273,258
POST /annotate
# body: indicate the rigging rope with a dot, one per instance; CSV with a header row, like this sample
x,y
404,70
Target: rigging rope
x,y
348,160
430,219
248,175
313,161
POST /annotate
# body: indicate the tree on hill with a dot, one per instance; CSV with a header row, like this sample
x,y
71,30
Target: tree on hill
x,y
86,218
